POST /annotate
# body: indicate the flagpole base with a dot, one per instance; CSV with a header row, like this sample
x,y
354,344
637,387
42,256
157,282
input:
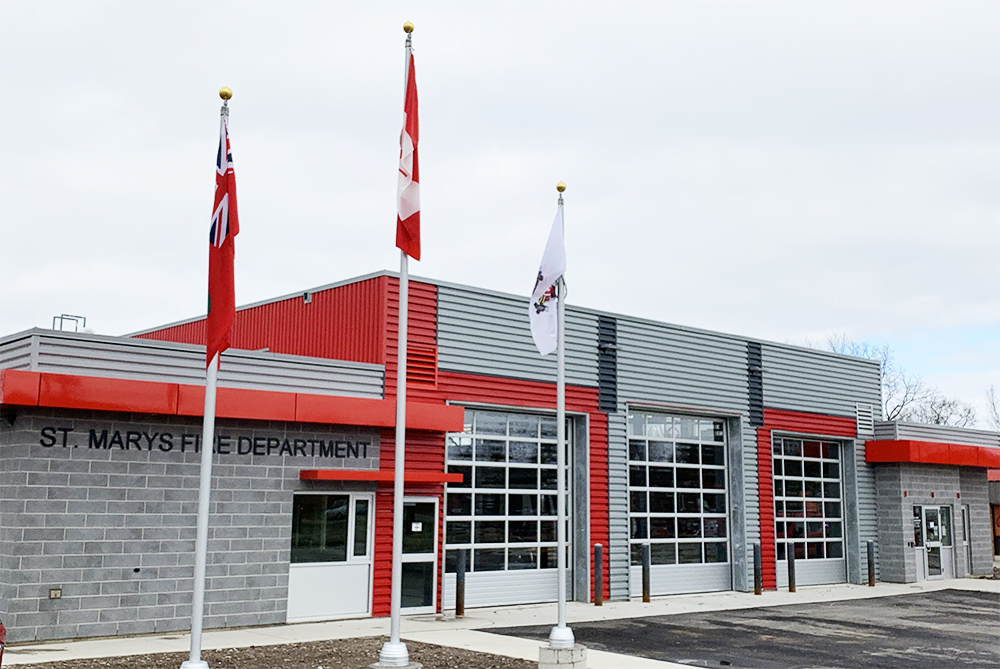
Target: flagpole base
x,y
395,655
561,636
574,657
198,664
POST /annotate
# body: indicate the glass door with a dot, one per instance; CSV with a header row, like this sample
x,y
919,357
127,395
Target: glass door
x,y
419,584
932,532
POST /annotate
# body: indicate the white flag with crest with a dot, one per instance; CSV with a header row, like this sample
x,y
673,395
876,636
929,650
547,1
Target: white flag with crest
x,y
543,310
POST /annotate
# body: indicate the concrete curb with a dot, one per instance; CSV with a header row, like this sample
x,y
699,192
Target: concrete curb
x,y
472,631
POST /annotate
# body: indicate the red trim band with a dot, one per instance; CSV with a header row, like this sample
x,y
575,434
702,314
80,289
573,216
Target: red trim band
x,y
376,475
931,453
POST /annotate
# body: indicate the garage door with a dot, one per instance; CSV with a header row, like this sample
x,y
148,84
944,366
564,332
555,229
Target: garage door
x,y
678,502
808,511
504,511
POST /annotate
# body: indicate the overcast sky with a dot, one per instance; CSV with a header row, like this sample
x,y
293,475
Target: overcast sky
x,y
782,170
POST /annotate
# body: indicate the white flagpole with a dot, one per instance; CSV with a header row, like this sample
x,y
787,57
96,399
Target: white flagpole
x,y
394,652
204,492
561,636
205,485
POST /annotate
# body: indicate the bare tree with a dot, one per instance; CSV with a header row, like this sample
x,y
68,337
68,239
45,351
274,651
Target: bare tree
x,y
901,392
992,409
941,410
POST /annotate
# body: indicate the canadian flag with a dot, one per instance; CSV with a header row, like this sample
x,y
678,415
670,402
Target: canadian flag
x,y
408,198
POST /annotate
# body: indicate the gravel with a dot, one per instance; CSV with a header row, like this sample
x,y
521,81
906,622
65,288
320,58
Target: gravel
x,y
339,654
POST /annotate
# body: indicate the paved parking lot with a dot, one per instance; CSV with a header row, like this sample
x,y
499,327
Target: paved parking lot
x,y
931,630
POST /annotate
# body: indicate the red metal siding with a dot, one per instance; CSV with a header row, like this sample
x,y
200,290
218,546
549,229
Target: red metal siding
x,y
342,323
765,479
424,453
421,336
796,423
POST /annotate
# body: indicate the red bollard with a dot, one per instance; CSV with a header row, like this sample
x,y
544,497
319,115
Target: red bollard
x,y
3,640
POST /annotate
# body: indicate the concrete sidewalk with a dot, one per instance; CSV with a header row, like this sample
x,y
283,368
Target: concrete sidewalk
x,y
472,631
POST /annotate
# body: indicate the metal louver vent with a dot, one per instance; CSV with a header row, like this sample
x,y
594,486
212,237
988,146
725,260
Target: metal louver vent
x,y
421,366
866,420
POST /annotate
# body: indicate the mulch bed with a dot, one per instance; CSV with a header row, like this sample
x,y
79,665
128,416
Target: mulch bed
x,y
339,654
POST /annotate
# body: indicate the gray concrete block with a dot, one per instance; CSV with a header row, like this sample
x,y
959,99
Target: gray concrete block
x,y
83,561
56,632
139,600
77,617
119,587
97,629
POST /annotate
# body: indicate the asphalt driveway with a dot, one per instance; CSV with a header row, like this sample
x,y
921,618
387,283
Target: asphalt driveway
x,y
931,630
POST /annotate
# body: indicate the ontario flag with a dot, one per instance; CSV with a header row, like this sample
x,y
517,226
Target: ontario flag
x,y
408,196
222,250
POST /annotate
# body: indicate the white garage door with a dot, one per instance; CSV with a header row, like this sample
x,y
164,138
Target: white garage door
x,y
808,513
677,502
504,511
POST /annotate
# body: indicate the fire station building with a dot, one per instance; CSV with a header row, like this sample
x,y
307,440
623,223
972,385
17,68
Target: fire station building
x,y
698,443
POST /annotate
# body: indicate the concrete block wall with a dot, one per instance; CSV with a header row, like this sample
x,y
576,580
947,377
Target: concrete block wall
x,y
114,528
897,561
975,493
903,486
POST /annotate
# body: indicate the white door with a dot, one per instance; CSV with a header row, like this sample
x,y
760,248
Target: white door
x,y
938,544
420,540
919,549
331,566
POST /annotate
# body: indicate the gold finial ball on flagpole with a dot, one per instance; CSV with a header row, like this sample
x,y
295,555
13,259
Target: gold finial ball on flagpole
x,y
225,92
560,186
408,27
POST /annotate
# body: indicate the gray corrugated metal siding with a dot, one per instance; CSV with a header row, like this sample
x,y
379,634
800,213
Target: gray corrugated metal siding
x,y
800,379
486,333
167,362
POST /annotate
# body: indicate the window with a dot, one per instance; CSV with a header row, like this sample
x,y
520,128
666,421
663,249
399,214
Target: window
x,y
677,488
808,509
324,526
504,510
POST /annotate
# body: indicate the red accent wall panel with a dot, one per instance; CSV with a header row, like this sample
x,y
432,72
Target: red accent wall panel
x,y
796,423
810,423
343,323
424,453
765,471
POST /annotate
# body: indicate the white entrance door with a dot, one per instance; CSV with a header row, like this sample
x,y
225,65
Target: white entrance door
x,y
420,540
938,558
331,566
